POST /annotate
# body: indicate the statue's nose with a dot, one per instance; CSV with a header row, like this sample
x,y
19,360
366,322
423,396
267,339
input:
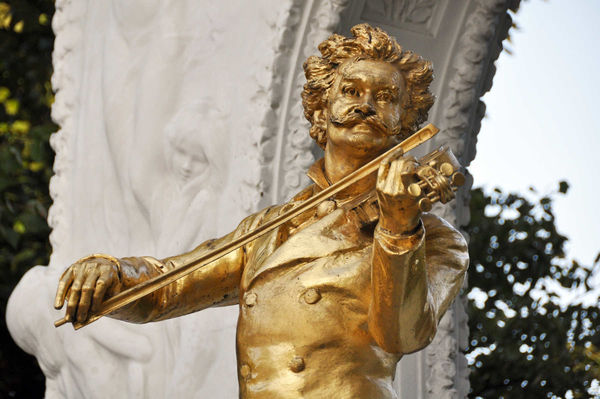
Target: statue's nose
x,y
365,109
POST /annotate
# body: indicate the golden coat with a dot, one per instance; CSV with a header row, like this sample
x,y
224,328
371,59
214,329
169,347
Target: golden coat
x,y
328,302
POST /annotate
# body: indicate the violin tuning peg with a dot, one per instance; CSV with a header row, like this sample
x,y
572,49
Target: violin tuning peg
x,y
446,169
414,189
458,179
424,204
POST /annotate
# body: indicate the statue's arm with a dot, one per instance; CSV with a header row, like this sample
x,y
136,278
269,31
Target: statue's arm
x,y
216,284
211,285
414,278
418,263
91,280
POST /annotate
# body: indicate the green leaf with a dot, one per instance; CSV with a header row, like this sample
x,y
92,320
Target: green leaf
x,y
563,187
19,227
11,106
534,340
4,94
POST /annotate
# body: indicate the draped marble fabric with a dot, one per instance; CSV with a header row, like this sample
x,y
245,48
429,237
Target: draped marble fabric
x,y
159,90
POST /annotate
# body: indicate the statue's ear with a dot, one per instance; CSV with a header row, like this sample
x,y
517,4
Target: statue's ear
x,y
320,119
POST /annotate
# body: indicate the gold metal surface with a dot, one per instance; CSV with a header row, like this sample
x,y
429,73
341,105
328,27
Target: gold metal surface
x,y
415,190
446,169
157,282
335,286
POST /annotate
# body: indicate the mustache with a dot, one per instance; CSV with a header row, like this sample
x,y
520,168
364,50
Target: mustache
x,y
351,118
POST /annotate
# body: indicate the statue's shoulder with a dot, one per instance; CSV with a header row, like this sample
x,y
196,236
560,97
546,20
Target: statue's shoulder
x,y
304,194
254,220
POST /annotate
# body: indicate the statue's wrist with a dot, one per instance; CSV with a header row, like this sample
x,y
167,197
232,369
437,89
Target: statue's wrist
x,y
115,262
399,242
399,225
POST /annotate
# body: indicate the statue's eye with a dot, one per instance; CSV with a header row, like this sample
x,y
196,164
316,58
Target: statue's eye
x,y
350,91
385,96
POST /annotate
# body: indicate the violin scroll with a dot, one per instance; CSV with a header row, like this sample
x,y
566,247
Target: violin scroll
x,y
439,177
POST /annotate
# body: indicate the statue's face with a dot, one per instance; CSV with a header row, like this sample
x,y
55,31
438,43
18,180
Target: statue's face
x,y
364,110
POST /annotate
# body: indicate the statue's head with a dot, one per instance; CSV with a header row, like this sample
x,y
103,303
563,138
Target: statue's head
x,y
407,91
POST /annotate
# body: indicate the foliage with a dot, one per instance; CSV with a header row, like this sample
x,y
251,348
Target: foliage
x,y
26,41
525,341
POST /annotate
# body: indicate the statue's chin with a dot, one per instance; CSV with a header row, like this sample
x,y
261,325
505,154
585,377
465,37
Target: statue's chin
x,y
362,141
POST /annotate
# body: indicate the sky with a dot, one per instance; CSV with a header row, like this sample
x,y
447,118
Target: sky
x,y
542,123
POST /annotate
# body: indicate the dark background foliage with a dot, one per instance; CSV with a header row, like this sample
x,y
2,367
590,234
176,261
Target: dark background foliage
x,y
520,347
523,344
26,41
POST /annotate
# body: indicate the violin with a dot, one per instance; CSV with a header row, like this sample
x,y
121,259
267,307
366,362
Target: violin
x,y
438,181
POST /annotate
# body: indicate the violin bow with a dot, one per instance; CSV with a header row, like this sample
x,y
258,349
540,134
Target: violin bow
x,y
162,280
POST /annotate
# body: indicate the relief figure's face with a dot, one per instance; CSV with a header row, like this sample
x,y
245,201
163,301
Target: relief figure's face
x,y
188,159
196,146
364,107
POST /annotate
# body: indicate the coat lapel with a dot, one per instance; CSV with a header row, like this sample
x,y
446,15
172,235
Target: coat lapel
x,y
339,231
325,237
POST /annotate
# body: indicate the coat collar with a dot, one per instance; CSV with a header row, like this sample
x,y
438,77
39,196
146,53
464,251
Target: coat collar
x,y
338,231
331,234
365,205
316,173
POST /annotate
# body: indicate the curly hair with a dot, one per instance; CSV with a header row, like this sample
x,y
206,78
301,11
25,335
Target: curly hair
x,y
367,43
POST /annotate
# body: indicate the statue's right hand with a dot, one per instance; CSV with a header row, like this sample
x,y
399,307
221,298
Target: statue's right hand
x,y
85,284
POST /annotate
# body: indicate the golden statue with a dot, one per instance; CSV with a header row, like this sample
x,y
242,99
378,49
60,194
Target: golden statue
x,y
332,298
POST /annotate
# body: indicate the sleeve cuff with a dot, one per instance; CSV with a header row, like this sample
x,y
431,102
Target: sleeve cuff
x,y
400,243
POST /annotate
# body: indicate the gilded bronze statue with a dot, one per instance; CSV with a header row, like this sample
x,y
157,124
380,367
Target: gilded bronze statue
x,y
333,296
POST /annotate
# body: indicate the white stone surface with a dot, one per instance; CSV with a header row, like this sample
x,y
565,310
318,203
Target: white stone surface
x,y
177,119
157,102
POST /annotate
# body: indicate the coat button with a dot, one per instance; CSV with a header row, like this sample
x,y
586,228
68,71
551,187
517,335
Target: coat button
x,y
325,208
250,299
297,364
245,371
312,295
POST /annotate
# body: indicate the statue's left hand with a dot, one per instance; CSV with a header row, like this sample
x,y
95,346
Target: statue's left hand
x,y
400,213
